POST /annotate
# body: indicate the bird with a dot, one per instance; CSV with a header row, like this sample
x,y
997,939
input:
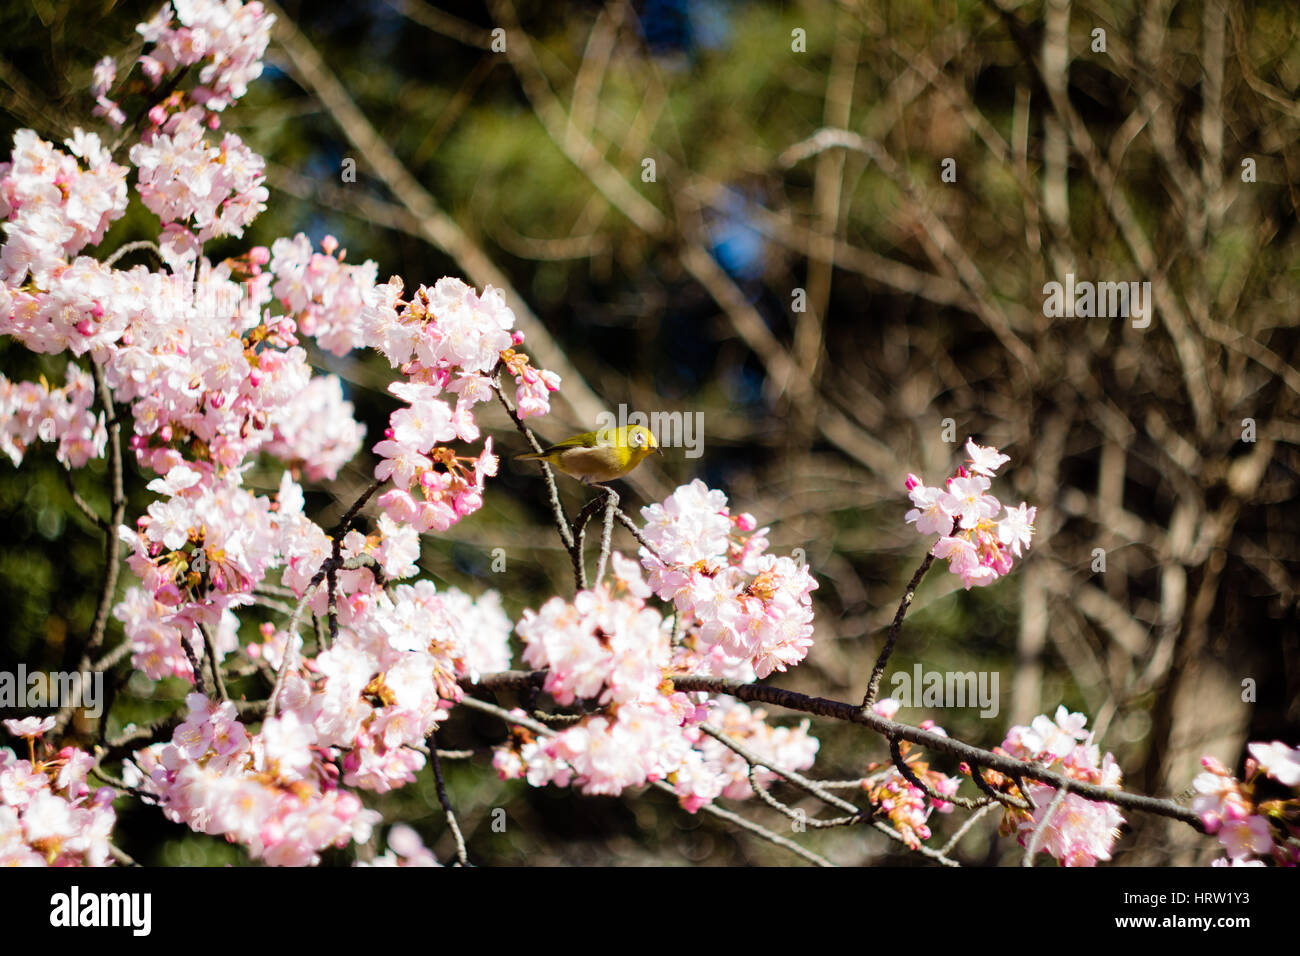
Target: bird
x,y
599,456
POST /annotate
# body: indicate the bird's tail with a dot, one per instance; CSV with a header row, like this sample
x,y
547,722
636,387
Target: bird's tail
x,y
531,456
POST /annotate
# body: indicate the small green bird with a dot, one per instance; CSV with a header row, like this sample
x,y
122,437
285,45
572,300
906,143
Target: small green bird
x,y
599,456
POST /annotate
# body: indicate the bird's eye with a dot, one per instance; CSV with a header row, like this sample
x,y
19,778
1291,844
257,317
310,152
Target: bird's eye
x,y
638,438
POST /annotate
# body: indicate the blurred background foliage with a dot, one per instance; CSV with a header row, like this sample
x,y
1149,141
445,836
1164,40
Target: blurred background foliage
x,y
924,303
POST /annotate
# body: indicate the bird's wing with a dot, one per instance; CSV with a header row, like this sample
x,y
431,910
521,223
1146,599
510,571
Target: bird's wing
x,y
585,440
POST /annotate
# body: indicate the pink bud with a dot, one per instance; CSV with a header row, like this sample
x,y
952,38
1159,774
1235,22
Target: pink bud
x,y
85,328
1211,764
329,244
158,115
516,337
746,522
259,255
912,481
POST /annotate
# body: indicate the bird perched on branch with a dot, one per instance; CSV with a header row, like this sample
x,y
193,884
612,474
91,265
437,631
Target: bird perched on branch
x,y
599,456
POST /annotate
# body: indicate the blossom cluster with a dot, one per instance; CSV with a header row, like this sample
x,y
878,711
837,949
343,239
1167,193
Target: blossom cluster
x,y
609,648
227,37
712,769
54,204
903,803
752,606
32,410
273,791
193,185
378,691
209,363
1080,831
978,546
1250,826
352,716
49,816
448,339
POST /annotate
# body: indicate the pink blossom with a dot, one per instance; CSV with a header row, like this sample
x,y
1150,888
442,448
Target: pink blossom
x,y
978,549
29,728
930,514
1243,838
1279,761
984,461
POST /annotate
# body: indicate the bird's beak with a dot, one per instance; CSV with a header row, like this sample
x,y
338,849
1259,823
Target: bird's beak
x,y
659,449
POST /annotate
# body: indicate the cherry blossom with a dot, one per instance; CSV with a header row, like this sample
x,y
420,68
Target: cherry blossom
x,y
1247,825
49,816
1079,831
978,548
755,607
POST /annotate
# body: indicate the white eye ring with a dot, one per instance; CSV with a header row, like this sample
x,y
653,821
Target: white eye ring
x,y
638,438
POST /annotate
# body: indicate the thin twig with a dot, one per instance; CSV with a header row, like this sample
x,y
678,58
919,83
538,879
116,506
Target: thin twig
x,y
112,657
758,830
878,671
977,774
289,644
795,778
850,713
133,247
196,665
215,660
1041,829
82,505
436,761
120,855
896,752
611,506
794,814
636,533
580,541
920,848
475,704
562,525
965,827
112,544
